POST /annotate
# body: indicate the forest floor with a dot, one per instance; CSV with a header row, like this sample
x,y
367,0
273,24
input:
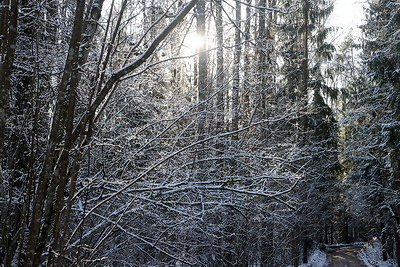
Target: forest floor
x,y
368,254
345,257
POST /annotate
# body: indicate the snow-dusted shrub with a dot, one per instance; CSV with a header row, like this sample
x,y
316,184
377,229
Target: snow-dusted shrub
x,y
371,255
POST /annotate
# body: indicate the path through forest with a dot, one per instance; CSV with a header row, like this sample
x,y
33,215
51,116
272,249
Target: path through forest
x,y
345,257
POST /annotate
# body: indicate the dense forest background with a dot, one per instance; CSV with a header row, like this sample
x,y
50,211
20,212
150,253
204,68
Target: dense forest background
x,y
202,132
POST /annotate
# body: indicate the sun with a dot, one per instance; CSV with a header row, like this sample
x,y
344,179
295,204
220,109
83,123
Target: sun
x,y
347,15
192,43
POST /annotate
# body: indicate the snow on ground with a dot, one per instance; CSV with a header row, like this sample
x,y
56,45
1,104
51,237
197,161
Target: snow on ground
x,y
371,255
317,259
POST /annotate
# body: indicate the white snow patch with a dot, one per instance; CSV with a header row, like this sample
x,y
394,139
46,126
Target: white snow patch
x,y
317,259
371,256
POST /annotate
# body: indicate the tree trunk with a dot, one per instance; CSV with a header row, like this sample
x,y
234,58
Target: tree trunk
x,y
202,80
236,70
304,67
303,86
397,247
51,175
261,35
9,229
8,29
305,249
245,95
220,104
295,247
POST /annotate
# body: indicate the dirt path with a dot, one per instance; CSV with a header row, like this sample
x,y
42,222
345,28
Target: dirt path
x,y
345,257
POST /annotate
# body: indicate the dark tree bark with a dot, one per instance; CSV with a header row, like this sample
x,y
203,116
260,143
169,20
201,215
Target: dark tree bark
x,y
220,103
236,68
8,37
8,33
245,88
202,80
53,173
